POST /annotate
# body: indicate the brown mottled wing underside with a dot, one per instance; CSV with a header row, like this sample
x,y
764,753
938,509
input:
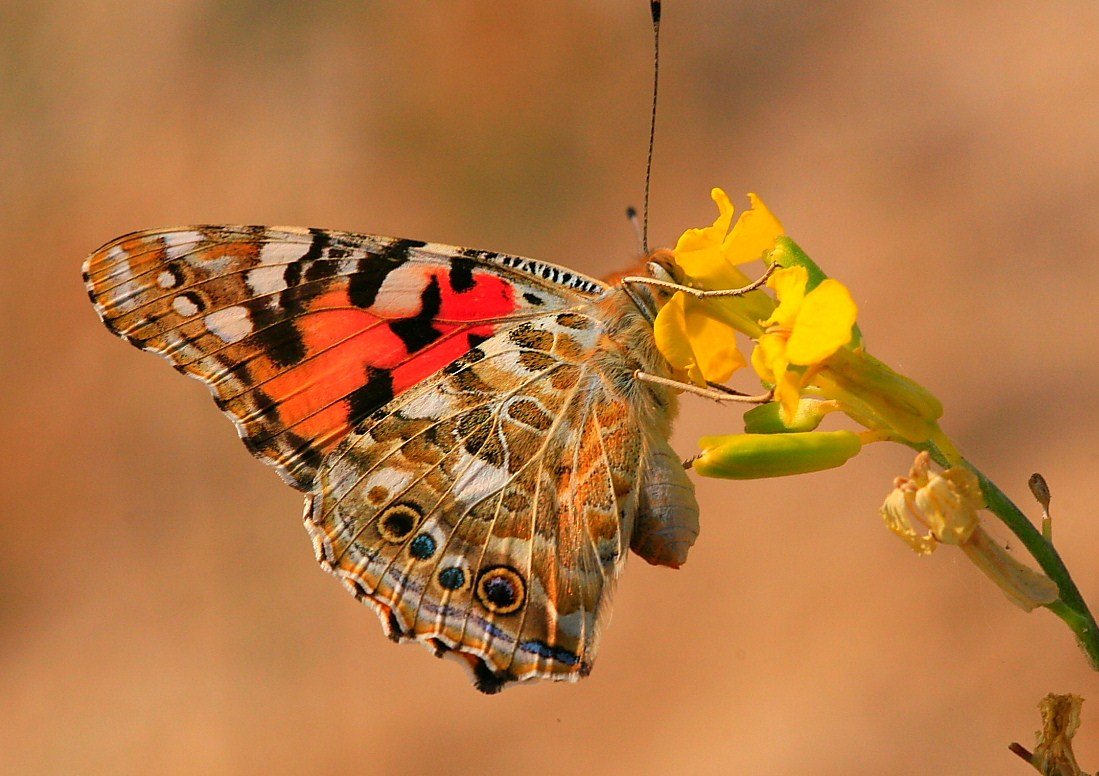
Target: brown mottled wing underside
x,y
488,511
477,455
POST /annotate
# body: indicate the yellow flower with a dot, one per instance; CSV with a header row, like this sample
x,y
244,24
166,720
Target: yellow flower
x,y
698,336
708,257
803,331
697,345
947,505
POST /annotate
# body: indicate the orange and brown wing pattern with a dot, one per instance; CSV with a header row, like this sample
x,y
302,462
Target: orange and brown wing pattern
x,y
487,512
302,333
477,455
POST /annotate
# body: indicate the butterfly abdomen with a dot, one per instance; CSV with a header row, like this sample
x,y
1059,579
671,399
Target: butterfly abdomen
x,y
666,525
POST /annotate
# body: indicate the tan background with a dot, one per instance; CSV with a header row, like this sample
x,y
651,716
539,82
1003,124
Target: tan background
x,y
160,609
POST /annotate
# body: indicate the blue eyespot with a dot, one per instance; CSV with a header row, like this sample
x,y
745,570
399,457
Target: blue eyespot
x,y
422,547
452,578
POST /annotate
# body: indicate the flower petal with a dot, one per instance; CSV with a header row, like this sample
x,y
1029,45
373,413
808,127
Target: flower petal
x,y
707,257
714,343
789,286
695,342
898,518
708,269
753,235
948,504
768,357
770,362
709,236
788,392
823,324
670,333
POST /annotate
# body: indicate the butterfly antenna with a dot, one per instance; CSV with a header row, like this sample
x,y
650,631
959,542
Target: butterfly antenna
x,y
635,222
654,8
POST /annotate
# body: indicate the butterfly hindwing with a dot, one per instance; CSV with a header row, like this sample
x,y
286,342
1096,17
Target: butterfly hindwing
x,y
301,333
488,511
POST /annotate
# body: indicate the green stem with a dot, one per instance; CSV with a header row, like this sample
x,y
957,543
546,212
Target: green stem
x,y
1070,607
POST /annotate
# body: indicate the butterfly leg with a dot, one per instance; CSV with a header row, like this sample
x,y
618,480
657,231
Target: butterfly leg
x,y
699,293
713,391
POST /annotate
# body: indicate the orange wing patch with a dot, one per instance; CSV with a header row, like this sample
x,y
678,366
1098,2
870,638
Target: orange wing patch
x,y
300,334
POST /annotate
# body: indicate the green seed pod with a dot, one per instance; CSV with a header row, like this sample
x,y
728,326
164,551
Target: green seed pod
x,y
768,418
754,456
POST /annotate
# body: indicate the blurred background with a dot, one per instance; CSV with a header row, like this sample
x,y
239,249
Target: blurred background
x,y
160,608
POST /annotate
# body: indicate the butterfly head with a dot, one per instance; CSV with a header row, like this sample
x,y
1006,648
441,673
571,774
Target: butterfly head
x,y
658,265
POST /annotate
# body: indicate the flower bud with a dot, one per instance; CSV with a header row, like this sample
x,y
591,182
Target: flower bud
x,y
878,397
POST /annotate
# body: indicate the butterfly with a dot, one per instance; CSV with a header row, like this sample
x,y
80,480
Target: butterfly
x,y
476,453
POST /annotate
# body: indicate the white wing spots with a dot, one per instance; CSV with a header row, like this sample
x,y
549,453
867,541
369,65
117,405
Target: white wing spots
x,y
179,245
399,295
479,481
383,484
119,256
127,294
275,252
436,536
392,479
452,580
267,279
229,325
166,280
429,406
186,308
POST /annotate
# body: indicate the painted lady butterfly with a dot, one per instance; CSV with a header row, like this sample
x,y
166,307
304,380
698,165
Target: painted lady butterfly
x,y
475,450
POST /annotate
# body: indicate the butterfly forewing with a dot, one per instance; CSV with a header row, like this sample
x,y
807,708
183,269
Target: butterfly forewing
x,y
302,333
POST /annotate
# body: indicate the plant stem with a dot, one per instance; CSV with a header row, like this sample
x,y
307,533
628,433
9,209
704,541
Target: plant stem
x,y
1070,607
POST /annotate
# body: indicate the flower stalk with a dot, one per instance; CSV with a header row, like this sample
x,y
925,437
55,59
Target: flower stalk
x,y
1070,605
